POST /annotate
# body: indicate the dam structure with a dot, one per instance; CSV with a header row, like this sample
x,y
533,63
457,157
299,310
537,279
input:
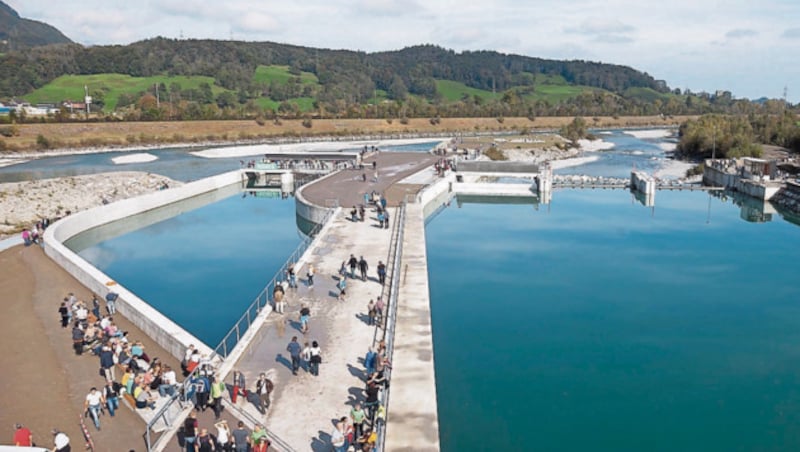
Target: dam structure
x,y
302,405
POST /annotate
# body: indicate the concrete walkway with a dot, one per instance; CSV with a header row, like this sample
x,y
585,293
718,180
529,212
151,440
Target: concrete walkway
x,y
304,407
348,188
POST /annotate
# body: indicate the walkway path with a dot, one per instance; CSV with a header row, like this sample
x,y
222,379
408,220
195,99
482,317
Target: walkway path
x,y
347,186
304,406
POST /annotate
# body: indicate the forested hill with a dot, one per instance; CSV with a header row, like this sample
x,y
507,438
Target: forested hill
x,y
353,76
17,33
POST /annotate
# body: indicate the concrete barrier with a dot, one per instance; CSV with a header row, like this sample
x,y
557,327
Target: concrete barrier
x,y
308,211
161,329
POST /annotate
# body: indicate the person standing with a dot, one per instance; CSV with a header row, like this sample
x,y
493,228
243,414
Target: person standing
x,y
64,311
381,272
357,416
338,440
379,309
107,362
205,442
241,438
381,218
224,436
371,313
370,361
353,263
111,393
292,276
111,302
315,358
238,385
310,275
264,387
202,389
362,267
294,351
217,390
94,403
22,436
61,442
386,219
190,432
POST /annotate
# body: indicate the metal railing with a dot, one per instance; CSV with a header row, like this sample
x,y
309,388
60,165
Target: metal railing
x,y
390,321
234,335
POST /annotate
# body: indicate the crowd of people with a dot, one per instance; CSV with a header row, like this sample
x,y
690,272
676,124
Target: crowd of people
x,y
238,439
35,235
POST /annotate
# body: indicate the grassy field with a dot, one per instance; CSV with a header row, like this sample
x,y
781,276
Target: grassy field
x,y
132,134
453,91
305,103
71,87
281,75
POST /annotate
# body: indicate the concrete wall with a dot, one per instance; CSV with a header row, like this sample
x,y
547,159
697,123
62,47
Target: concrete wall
x,y
307,210
643,182
494,189
158,327
497,167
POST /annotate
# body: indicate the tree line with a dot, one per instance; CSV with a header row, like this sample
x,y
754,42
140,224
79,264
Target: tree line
x,y
732,136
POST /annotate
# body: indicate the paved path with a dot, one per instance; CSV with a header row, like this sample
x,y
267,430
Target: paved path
x,y
304,406
347,186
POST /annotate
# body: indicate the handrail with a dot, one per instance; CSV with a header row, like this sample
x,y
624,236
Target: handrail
x,y
241,326
277,442
391,319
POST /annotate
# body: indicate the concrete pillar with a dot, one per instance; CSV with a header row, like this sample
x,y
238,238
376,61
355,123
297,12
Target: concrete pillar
x,y
287,182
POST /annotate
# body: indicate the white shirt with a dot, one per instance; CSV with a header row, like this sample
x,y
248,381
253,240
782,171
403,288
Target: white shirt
x,y
94,398
169,377
61,440
222,435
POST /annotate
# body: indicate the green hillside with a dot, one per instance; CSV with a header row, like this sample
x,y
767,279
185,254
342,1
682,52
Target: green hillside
x,y
552,89
305,104
71,87
281,75
454,91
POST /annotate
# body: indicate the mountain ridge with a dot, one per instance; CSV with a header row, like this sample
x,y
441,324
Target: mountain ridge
x,y
18,33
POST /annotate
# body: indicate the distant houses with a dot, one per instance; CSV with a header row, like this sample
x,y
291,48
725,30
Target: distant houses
x,y
38,110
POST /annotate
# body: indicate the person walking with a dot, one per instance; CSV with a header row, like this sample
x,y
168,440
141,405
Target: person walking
x,y
264,387
353,263
305,316
379,309
381,272
315,358
93,404
111,302
386,219
239,386
202,389
363,267
241,438
294,351
305,355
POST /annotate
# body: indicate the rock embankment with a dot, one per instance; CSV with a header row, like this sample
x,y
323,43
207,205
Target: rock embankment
x,y
788,198
22,204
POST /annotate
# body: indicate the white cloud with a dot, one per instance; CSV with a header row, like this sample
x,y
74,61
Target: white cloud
x,y
791,33
741,33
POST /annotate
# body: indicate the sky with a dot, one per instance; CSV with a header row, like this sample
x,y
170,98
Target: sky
x,y
749,48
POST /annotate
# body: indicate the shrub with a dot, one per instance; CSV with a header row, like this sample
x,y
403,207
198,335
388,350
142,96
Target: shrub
x,y
389,120
495,154
42,142
260,120
500,119
435,120
695,170
9,131
307,123
2,145
404,120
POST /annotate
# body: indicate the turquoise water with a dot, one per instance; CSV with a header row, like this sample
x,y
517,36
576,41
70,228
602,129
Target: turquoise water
x,y
599,324
204,267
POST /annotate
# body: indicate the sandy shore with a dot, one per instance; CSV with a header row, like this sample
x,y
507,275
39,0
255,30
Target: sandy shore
x,y
320,146
142,157
24,203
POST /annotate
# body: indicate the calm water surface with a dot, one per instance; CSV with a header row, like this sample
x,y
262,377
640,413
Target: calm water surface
x,y
605,325
204,267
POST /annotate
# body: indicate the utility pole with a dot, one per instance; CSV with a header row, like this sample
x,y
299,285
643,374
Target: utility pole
x,y
713,143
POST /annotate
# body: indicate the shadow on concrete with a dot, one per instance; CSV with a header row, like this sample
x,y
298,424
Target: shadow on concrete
x,y
354,395
356,372
282,359
322,443
363,317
